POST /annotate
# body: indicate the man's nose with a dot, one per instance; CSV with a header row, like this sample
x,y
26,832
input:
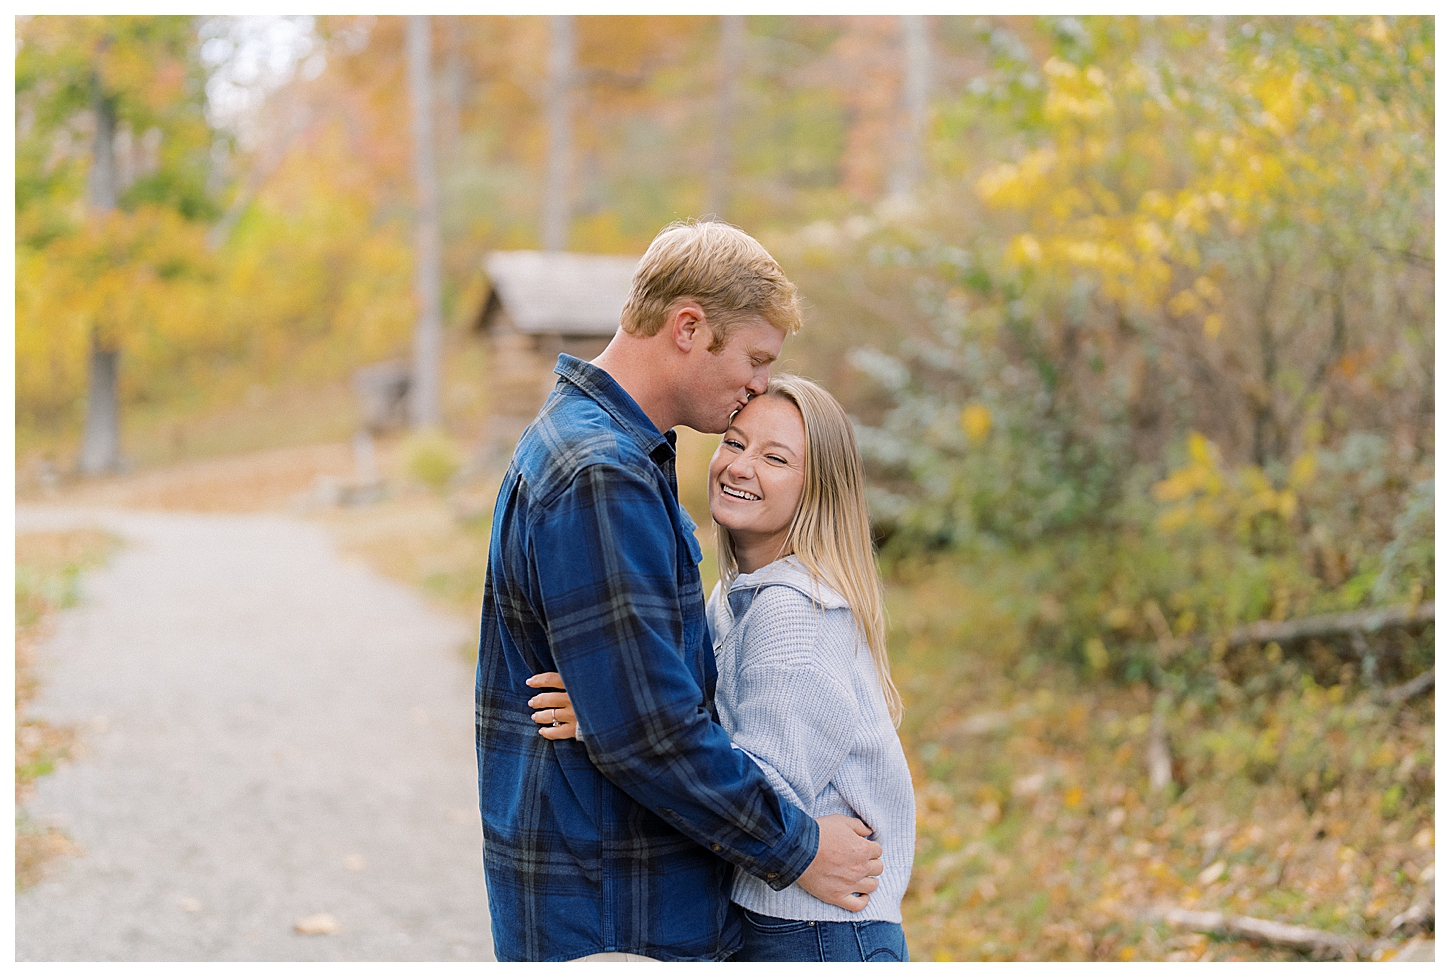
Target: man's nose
x,y
759,381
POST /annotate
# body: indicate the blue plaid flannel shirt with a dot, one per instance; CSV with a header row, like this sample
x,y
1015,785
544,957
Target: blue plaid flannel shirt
x,y
627,838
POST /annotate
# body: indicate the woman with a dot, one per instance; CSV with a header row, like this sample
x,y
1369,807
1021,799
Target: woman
x,y
804,684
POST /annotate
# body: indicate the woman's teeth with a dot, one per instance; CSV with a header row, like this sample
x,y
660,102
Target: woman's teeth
x,y
738,494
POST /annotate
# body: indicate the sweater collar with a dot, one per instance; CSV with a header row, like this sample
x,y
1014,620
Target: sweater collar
x,y
786,572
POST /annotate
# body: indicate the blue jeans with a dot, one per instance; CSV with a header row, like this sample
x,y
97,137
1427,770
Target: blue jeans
x,y
768,938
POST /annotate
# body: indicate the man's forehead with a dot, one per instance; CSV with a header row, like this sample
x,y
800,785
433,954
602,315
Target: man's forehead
x,y
761,338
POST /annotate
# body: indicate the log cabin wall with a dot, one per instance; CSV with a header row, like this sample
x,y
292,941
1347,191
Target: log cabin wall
x,y
539,305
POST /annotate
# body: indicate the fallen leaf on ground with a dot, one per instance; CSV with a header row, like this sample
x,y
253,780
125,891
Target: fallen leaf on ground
x,y
318,924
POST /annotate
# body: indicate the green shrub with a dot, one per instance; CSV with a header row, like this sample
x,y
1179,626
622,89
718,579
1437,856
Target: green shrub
x,y
432,459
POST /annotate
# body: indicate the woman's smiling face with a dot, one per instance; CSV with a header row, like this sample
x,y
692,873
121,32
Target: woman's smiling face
x,y
756,478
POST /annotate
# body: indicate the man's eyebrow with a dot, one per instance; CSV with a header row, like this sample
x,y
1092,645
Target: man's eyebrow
x,y
765,356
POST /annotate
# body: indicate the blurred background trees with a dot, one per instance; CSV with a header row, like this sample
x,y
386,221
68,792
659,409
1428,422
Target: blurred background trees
x,y
1125,284
1168,308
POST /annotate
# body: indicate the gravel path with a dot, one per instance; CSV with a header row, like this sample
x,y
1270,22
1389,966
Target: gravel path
x,y
268,733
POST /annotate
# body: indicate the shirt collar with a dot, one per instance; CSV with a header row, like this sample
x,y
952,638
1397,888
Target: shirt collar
x,y
604,390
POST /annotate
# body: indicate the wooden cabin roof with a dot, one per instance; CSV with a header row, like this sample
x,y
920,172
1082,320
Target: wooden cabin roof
x,y
556,292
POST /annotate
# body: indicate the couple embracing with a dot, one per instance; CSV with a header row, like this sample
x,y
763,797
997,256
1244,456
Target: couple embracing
x,y
697,781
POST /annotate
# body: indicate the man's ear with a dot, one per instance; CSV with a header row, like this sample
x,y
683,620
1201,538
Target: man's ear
x,y
688,327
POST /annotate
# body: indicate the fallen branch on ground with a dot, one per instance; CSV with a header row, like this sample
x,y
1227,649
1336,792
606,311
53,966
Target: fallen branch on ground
x,y
1419,916
1261,930
1332,625
1404,693
1160,758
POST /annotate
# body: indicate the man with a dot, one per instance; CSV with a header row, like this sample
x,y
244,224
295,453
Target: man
x,y
625,840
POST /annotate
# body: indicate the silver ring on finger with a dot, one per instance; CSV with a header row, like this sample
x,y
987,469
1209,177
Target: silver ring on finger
x,y
554,718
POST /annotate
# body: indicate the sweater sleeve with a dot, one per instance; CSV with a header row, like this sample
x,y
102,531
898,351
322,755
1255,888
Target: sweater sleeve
x,y
797,711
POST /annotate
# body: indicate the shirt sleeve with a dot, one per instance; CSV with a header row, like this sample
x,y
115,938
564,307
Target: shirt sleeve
x,y
796,713
605,560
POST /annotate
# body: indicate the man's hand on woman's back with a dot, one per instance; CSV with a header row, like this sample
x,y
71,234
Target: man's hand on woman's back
x,y
846,864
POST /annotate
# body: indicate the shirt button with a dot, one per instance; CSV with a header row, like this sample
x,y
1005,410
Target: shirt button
x,y
770,875
714,847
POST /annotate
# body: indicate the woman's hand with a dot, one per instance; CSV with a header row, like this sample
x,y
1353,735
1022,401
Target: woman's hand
x,y
555,713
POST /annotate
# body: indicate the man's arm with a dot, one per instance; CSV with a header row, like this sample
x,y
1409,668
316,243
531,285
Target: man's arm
x,y
605,561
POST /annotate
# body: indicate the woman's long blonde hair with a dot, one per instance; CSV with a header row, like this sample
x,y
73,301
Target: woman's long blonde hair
x,y
831,530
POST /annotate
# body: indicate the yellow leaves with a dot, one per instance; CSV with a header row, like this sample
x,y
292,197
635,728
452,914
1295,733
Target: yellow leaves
x,y
377,305
1017,184
1056,68
1301,471
1074,94
1024,250
1149,237
1203,494
1201,474
1184,303
976,422
1118,618
1200,449
128,277
1095,653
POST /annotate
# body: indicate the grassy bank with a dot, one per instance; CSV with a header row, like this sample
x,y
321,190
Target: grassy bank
x,y
48,568
1040,837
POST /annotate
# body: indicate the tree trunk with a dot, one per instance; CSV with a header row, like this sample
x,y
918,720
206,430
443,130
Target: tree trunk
x,y
101,441
101,436
915,90
427,280
455,90
559,118
732,47
1267,436
101,181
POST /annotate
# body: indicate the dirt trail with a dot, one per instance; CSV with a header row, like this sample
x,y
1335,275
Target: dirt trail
x,y
268,733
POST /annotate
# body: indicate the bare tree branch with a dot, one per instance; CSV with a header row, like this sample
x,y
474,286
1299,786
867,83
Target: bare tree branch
x,y
1404,693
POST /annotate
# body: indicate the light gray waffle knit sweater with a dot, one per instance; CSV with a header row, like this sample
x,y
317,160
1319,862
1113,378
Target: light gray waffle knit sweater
x,y
798,692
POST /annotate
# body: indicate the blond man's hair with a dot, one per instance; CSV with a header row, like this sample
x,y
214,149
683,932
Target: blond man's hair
x,y
725,270
831,531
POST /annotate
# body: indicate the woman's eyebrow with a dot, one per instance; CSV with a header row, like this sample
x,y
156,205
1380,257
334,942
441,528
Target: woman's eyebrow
x,y
780,444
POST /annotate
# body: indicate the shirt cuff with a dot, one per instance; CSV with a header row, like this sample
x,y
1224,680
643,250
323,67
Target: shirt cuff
x,y
788,860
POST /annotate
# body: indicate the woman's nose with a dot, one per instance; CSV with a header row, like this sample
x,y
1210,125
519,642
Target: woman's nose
x,y
742,467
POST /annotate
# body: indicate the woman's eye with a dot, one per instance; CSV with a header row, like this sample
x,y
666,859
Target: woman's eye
x,y
776,458
732,443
